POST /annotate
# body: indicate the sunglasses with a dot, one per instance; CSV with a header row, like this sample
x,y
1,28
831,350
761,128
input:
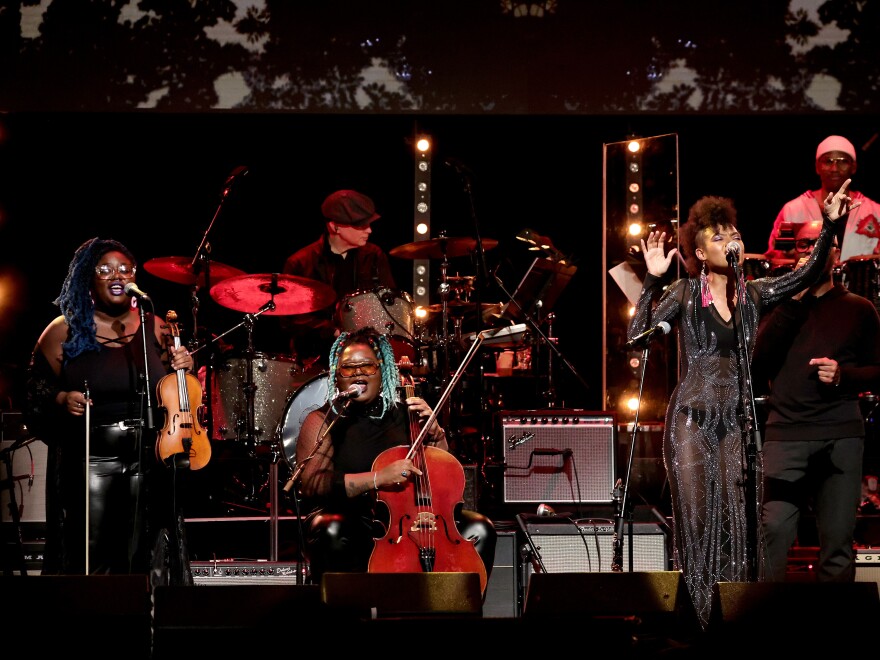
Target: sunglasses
x,y
364,368
106,271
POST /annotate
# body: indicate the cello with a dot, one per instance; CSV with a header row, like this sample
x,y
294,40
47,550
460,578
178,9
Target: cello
x,y
422,536
180,393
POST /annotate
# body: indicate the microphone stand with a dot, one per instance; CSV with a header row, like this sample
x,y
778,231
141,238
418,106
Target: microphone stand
x,y
297,472
551,342
750,430
621,500
202,257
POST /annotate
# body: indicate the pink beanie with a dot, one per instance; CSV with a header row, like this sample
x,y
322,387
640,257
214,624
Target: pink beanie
x,y
836,143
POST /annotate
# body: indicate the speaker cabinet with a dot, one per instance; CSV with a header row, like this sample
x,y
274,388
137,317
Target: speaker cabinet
x,y
232,620
795,615
101,614
374,595
868,565
558,456
502,591
640,602
588,545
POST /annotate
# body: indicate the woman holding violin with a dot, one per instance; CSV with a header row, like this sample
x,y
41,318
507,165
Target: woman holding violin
x,y
86,389
350,470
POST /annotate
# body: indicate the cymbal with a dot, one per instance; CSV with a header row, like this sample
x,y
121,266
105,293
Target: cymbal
x,y
437,248
180,270
290,293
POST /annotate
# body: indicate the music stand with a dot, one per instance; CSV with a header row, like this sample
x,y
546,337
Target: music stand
x,y
539,289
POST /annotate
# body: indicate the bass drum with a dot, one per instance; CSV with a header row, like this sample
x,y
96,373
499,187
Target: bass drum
x,y
275,378
307,398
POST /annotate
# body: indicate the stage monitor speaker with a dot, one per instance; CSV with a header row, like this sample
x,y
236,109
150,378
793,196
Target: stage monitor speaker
x,y
587,546
559,455
402,594
647,601
228,620
795,615
101,614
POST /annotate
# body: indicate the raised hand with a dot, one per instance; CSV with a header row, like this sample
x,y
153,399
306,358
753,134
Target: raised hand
x,y
840,203
655,260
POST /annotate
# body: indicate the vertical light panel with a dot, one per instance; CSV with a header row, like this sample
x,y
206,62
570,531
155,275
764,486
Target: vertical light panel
x,y
422,218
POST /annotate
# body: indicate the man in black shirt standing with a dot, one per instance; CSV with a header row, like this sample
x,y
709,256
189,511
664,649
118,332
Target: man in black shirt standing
x,y
818,351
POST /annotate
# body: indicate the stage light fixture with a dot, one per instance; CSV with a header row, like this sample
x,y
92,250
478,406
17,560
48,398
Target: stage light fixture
x,y
422,216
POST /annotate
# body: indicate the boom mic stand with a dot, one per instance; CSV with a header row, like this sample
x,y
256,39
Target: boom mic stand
x,y
750,430
624,509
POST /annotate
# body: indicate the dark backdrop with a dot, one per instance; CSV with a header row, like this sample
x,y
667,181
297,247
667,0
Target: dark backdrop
x,y
154,182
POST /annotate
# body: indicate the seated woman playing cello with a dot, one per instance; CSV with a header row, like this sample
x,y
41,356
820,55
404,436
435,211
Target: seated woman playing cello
x,y
345,482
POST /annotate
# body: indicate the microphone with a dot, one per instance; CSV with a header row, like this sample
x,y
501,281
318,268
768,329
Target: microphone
x,y
132,290
663,327
545,510
732,250
354,390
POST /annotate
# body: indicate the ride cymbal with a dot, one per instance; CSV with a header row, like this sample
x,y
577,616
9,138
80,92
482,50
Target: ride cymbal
x,y
290,293
181,271
437,248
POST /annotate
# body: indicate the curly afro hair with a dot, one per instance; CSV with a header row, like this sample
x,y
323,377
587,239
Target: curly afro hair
x,y
707,212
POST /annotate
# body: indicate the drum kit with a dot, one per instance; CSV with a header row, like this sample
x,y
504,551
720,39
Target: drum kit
x,y
259,399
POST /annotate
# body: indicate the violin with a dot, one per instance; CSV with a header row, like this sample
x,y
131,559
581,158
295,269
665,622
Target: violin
x,y
179,394
422,536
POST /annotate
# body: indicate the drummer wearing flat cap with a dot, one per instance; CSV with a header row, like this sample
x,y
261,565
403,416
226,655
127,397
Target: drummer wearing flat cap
x,y
836,161
342,257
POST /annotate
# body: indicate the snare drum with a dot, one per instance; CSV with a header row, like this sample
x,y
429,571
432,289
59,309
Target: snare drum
x,y
389,312
274,377
307,398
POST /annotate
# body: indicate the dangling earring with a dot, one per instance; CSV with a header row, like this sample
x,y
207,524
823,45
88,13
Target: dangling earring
x,y
705,293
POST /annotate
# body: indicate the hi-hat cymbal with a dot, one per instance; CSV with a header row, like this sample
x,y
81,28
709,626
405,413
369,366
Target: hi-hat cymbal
x,y
290,293
180,270
437,248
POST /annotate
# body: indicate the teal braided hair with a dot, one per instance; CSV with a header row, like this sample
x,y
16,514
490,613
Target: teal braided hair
x,y
75,299
387,363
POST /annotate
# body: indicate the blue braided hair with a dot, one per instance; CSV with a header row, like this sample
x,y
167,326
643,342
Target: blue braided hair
x,y
75,299
387,363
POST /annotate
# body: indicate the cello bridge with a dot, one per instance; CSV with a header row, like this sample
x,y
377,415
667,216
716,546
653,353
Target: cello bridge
x,y
424,522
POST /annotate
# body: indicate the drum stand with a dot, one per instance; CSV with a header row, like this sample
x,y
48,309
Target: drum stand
x,y
249,388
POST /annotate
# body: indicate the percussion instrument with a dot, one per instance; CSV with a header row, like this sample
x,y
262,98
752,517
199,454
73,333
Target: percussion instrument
x,y
389,312
440,248
289,294
181,271
275,378
311,396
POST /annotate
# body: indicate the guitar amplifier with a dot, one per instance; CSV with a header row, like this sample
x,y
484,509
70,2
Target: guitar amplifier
x,y
587,546
223,572
559,455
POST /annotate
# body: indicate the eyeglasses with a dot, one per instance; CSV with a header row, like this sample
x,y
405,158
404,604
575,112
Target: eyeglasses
x,y
804,244
841,161
364,368
106,271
